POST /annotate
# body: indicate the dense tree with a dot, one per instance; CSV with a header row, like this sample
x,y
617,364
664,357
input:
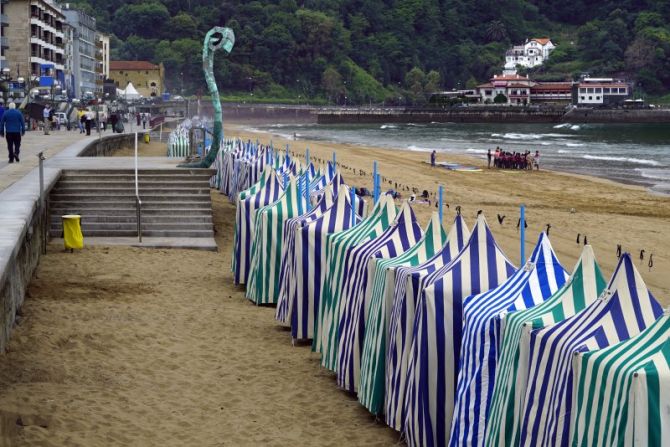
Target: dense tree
x,y
376,50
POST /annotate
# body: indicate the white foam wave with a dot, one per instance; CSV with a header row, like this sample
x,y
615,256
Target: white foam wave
x,y
562,126
563,151
388,126
574,145
575,127
412,147
476,151
640,161
529,136
655,174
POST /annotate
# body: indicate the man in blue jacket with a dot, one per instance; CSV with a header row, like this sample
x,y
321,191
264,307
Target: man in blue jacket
x,y
13,126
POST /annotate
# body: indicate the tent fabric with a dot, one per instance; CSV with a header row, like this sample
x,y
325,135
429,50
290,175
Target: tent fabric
x,y
582,288
289,263
378,300
263,287
401,236
266,191
304,287
622,393
437,333
405,296
325,326
538,280
625,309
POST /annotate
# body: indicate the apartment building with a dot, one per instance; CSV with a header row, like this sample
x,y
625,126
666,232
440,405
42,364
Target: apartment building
x,y
84,52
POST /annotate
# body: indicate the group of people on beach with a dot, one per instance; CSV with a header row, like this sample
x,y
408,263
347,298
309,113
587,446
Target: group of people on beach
x,y
513,160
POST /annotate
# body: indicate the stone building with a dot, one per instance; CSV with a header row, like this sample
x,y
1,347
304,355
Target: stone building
x,y
84,49
147,78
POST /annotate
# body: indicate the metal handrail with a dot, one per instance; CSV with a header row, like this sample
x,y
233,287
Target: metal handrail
x,y
138,201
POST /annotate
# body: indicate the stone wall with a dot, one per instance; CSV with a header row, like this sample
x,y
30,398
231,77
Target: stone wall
x,y
108,145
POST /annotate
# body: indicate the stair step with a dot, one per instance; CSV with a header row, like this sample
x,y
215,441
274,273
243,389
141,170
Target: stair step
x,y
180,171
178,212
84,197
115,226
133,233
128,190
127,184
132,217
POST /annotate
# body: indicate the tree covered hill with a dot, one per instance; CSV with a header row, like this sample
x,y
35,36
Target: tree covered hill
x,y
393,50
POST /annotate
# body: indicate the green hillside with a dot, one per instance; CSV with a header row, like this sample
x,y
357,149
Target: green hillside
x,y
362,51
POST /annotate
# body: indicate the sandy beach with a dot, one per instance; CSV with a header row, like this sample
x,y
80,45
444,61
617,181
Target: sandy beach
x,y
127,346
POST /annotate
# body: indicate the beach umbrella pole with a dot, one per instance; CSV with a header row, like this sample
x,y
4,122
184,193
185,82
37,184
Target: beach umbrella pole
x,y
374,181
522,231
353,206
307,156
334,159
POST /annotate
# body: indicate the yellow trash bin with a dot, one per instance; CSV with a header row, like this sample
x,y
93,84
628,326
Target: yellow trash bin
x,y
72,231
147,138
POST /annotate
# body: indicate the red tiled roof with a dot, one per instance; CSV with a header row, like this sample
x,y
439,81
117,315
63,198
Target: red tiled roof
x,y
515,77
132,65
541,40
487,85
517,86
553,86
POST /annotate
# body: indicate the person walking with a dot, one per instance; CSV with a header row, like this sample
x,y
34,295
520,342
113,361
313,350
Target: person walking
x,y
433,155
537,160
138,118
488,156
81,118
45,117
13,126
88,122
144,121
2,111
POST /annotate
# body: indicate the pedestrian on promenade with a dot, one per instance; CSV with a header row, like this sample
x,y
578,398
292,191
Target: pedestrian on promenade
x,y
13,127
81,119
138,119
2,111
144,121
488,156
433,155
89,122
45,117
537,160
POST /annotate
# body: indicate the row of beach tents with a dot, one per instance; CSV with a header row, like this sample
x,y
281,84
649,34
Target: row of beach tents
x,y
435,329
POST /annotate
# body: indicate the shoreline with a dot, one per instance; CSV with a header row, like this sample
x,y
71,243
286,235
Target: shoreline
x,y
474,159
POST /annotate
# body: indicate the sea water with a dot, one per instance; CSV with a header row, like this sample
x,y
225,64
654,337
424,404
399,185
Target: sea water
x,y
629,153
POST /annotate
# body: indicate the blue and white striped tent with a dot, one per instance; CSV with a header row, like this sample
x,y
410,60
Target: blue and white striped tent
x,y
263,287
266,191
304,287
435,352
583,287
378,301
625,309
401,236
538,280
289,263
405,296
325,326
622,393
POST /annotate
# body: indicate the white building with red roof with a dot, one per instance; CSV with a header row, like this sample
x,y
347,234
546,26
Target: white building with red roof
x,y
531,54
515,88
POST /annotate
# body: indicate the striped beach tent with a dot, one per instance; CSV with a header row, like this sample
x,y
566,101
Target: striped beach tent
x,y
437,333
401,236
405,296
337,244
625,309
289,263
263,287
378,301
538,280
582,288
266,191
305,286
622,393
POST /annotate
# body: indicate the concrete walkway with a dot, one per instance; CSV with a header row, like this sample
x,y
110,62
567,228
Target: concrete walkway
x,y
32,143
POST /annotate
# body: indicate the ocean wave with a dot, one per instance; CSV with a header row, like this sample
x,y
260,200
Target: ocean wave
x,y
640,161
388,126
529,136
574,145
575,127
655,174
476,151
563,151
562,126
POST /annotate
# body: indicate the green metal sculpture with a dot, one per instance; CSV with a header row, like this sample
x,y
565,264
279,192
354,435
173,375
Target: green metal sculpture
x,y
216,38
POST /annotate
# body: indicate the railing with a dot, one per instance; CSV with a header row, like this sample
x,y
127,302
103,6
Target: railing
x,y
138,201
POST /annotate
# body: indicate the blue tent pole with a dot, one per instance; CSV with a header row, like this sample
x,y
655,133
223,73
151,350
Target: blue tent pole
x,y
334,160
353,206
440,193
379,187
307,156
287,150
300,196
309,205
374,181
522,226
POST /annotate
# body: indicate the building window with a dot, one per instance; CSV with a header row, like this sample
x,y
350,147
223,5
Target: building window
x,y
590,98
582,90
598,90
589,90
606,90
622,90
488,92
582,98
597,98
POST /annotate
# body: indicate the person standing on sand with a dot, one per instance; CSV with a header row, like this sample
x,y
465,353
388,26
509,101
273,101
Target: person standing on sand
x,y
13,126
488,156
537,160
433,155
45,116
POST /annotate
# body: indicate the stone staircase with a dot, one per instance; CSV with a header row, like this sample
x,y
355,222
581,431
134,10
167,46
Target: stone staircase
x,y
175,202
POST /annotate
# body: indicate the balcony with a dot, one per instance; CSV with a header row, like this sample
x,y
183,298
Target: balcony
x,y
4,42
4,20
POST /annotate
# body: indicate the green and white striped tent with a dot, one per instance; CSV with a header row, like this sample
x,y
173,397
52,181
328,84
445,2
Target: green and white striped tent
x,y
266,249
622,393
266,191
325,329
378,300
582,288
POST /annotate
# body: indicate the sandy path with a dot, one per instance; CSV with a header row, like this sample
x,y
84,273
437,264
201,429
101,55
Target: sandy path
x,y
123,346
